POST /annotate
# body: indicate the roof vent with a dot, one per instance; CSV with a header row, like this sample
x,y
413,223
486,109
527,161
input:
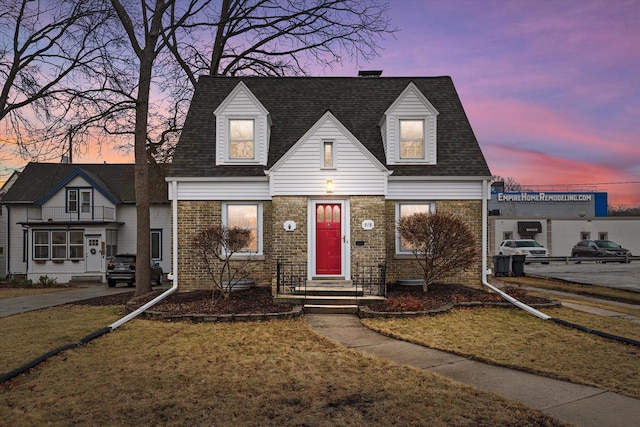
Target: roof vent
x,y
369,73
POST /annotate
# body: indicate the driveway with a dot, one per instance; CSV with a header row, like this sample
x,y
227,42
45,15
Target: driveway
x,y
613,275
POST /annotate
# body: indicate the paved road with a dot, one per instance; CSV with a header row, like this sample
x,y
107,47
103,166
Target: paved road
x,y
614,275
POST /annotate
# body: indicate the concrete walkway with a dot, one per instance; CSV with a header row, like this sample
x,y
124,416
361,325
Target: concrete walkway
x,y
11,306
576,404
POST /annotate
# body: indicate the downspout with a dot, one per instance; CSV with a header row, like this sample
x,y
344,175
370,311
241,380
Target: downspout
x,y
512,300
173,276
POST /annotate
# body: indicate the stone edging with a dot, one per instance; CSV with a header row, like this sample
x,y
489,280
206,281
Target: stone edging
x,y
365,312
202,318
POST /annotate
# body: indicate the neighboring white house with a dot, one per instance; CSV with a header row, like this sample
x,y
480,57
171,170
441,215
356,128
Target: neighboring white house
x,y
65,220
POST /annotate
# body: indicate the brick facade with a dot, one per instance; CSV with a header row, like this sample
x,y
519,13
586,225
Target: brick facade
x,y
368,247
405,266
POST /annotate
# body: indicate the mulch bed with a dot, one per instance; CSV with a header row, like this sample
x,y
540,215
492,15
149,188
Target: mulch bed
x,y
258,300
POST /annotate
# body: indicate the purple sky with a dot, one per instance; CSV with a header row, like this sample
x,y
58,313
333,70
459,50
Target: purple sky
x,y
551,87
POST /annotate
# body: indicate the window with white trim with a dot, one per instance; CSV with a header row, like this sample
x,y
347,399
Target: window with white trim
x,y
72,200
241,139
328,154
59,244
85,201
76,244
411,139
247,216
406,209
40,244
112,243
585,235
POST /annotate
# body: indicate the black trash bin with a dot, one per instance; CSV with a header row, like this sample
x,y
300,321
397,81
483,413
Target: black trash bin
x,y
501,265
517,265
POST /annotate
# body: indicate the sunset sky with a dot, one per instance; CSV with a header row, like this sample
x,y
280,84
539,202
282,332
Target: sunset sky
x,y
551,87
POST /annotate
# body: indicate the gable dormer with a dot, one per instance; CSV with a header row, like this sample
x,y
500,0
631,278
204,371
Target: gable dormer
x,y
409,128
243,128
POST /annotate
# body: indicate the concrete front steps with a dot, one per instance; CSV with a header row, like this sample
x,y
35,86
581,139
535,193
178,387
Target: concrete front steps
x,y
328,297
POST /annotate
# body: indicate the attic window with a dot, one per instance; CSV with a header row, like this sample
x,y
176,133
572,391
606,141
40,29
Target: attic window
x,y
412,139
327,160
241,140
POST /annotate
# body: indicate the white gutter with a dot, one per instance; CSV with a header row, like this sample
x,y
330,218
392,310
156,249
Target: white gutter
x,y
174,265
485,235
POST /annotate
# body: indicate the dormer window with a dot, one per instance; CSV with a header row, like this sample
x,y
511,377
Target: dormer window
x,y
243,129
412,139
241,139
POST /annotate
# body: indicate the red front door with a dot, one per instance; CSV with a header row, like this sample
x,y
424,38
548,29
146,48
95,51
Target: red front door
x,y
328,239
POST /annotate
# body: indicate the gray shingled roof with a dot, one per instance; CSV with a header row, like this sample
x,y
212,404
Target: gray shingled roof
x,y
297,103
117,180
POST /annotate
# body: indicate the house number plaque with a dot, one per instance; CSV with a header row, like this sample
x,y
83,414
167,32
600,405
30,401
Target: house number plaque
x,y
289,225
367,224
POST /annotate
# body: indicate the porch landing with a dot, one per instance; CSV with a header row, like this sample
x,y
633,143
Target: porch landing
x,y
328,297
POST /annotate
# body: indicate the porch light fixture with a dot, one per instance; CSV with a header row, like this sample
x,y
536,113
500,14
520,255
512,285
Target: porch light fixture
x,y
329,186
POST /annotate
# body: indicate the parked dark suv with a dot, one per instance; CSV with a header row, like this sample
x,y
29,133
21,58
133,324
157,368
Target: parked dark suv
x,y
122,268
598,248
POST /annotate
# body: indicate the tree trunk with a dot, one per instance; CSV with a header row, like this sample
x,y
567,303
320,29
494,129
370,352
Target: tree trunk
x,y
143,248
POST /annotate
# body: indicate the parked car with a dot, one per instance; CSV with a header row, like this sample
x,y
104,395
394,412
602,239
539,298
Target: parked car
x,y
528,247
598,248
122,268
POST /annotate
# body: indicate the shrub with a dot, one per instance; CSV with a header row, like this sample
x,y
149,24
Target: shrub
x,y
442,244
47,282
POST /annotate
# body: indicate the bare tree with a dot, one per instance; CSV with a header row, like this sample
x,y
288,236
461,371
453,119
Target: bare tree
x,y
441,242
511,184
46,49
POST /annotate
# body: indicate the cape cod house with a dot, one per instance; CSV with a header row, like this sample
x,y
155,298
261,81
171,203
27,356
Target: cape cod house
x,y
65,220
321,169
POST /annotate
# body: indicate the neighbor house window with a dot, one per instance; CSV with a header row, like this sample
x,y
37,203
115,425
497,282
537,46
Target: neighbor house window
x,y
241,139
248,216
603,236
72,201
585,235
404,210
41,244
76,244
112,243
327,160
85,201
156,244
507,235
412,139
58,244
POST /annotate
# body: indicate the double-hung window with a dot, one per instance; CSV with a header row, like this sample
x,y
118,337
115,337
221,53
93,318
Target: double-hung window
x,y
247,216
41,244
112,243
72,201
406,209
76,244
59,244
241,139
411,139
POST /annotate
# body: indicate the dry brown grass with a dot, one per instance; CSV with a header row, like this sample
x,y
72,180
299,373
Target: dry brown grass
x,y
20,292
268,373
588,290
513,338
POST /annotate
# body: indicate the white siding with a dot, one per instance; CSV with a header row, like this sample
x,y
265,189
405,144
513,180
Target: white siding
x,y
354,173
228,190
434,190
410,105
161,219
14,252
242,105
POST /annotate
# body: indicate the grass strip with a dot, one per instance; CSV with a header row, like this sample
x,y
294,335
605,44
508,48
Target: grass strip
x,y
513,338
